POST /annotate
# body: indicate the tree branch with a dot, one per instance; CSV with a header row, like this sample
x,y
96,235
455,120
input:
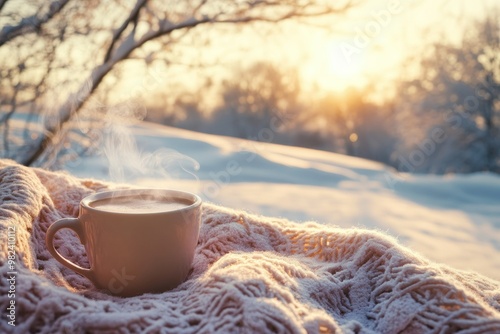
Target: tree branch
x,y
31,23
6,120
118,32
115,54
2,3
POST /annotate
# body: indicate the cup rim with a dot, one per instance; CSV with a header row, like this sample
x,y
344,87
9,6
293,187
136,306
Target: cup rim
x,y
85,202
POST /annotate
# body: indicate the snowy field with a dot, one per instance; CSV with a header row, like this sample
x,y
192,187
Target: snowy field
x,y
452,219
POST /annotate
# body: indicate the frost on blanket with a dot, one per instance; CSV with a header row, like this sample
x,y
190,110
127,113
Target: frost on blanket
x,y
250,274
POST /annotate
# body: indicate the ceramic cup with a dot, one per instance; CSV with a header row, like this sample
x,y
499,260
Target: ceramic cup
x,y
137,241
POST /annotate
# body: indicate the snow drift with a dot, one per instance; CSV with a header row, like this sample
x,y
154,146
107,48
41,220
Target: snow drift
x,y
250,274
452,219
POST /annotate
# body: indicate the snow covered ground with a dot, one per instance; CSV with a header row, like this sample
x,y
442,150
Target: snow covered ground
x,y
452,219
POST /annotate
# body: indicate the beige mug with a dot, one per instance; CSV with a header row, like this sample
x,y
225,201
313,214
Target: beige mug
x,y
137,241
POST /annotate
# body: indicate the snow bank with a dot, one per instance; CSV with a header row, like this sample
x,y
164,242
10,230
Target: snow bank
x,y
251,274
452,219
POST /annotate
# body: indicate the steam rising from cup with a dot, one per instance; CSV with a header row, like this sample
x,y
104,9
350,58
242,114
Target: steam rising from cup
x,y
126,161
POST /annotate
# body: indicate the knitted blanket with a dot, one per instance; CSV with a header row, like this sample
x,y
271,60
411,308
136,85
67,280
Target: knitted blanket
x,y
251,274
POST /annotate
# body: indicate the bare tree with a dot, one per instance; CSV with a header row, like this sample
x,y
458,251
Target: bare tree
x,y
257,97
453,105
355,125
58,53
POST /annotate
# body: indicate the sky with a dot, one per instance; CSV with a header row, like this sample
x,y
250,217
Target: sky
x,y
369,44
373,41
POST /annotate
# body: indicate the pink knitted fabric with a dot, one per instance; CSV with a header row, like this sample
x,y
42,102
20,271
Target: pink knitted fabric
x,y
251,274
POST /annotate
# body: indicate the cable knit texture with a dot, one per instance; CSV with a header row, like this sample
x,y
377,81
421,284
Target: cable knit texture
x,y
251,274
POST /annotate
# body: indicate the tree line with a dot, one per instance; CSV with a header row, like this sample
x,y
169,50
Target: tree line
x,y
446,119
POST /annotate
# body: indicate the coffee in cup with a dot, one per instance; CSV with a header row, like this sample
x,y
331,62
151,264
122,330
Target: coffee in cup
x,y
143,204
137,241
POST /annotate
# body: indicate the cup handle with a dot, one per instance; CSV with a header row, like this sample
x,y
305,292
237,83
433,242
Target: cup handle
x,y
75,225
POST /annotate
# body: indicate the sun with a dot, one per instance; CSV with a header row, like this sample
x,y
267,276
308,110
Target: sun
x,y
342,62
333,67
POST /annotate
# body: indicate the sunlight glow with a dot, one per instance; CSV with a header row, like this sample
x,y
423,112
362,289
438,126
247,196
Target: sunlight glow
x,y
341,64
331,68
